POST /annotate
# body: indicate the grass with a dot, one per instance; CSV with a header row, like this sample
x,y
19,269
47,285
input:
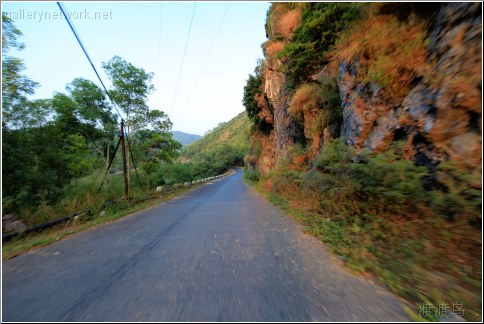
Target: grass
x,y
32,241
391,53
378,216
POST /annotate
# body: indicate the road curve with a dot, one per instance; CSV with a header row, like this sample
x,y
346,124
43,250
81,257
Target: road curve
x,y
218,253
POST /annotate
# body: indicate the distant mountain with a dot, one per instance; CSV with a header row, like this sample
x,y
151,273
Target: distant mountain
x,y
185,138
227,143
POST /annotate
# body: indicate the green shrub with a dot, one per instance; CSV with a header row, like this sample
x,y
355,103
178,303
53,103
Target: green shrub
x,y
171,173
391,62
459,199
318,31
379,213
252,175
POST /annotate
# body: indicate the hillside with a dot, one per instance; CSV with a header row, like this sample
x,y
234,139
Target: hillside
x,y
227,143
185,138
367,125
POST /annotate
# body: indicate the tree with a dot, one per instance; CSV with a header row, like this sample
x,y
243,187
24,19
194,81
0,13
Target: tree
x,y
131,88
15,86
155,142
77,156
94,111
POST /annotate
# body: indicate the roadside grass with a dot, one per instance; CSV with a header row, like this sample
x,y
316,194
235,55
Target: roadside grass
x,y
377,216
120,209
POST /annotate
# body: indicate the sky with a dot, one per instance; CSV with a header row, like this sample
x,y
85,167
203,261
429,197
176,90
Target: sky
x,y
150,35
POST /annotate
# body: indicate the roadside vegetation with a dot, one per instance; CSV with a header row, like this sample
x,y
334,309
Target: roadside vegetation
x,y
99,213
380,216
415,229
220,148
56,151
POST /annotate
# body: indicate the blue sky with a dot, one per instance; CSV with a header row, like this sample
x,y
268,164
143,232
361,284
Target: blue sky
x,y
131,30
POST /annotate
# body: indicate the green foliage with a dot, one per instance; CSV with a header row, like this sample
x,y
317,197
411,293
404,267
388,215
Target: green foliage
x,y
318,31
10,35
391,62
53,149
93,108
459,199
132,85
170,174
384,182
331,99
253,97
222,147
379,213
155,146
79,159
15,85
251,175
316,106
274,14
251,89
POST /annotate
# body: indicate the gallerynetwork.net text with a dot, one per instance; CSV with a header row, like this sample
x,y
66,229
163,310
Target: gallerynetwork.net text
x,y
39,16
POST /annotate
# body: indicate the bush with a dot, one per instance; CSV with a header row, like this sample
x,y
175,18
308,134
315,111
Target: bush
x,y
288,22
394,52
251,89
306,98
317,105
320,27
459,199
170,174
251,175
254,99
282,18
380,214
272,48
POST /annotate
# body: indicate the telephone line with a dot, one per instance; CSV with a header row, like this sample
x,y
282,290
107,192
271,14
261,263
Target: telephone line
x,y
183,58
71,25
206,58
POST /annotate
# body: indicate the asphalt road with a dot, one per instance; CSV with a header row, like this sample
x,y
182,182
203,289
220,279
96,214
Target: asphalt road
x,y
218,253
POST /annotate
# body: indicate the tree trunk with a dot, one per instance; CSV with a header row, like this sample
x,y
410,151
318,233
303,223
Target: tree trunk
x,y
107,160
107,155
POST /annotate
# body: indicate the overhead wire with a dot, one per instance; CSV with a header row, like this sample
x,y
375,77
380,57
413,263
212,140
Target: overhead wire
x,y
73,29
206,57
71,25
183,58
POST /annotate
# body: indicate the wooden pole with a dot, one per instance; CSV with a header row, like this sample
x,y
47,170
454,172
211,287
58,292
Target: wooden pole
x,y
125,169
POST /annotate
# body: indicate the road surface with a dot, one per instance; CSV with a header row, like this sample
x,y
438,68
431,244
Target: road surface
x,y
218,253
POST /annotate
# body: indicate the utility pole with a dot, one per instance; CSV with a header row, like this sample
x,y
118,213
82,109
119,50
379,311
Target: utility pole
x,y
125,169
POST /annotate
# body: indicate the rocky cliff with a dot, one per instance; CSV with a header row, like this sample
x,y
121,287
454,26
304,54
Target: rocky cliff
x,y
367,123
434,103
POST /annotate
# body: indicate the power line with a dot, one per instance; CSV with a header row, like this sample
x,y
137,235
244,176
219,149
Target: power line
x,y
63,10
183,58
124,133
206,57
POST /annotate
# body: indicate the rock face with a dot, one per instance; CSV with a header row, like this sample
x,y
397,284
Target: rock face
x,y
440,119
274,107
10,224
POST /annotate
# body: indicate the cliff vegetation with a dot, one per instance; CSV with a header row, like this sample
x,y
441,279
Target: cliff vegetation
x,y
367,127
